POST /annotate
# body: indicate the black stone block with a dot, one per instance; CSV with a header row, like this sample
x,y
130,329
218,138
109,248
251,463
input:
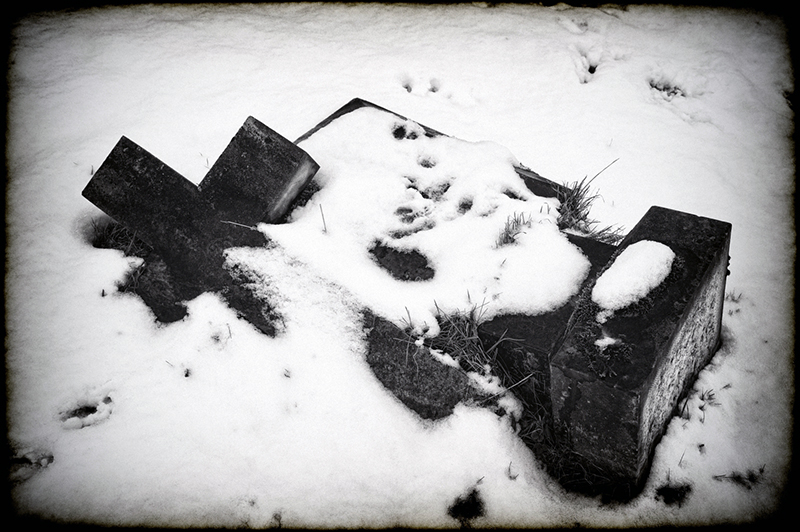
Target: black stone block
x,y
257,177
421,383
612,404
160,206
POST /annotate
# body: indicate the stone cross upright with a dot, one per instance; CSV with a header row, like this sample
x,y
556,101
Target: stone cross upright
x,y
255,180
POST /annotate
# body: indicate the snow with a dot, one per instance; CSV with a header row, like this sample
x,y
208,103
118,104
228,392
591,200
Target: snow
x,y
211,423
637,270
372,181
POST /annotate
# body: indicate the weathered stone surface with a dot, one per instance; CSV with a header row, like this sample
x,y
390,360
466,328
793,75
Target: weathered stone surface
x,y
165,210
154,283
423,384
258,176
611,404
401,264
256,179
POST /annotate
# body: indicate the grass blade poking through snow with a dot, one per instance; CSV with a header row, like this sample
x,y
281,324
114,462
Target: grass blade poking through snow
x,y
109,234
458,337
514,226
576,202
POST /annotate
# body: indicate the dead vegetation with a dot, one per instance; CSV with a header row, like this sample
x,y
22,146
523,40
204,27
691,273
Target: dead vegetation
x,y
576,203
515,225
746,479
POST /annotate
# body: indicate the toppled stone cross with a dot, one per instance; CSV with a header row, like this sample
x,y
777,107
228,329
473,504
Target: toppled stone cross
x,y
598,389
255,180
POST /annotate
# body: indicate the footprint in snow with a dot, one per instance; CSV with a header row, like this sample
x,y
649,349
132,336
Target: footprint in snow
x,y
588,59
420,84
26,463
576,27
586,62
87,412
431,86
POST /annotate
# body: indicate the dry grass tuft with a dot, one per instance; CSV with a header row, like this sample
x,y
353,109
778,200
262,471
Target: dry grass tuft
x,y
514,226
109,234
576,202
458,337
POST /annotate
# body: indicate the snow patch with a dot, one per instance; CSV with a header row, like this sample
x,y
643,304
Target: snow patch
x,y
636,271
385,180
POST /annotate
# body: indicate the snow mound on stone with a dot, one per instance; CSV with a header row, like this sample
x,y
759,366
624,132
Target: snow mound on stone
x,y
636,271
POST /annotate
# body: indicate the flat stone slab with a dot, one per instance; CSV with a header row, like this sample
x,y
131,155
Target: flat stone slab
x,y
352,105
537,184
616,380
420,382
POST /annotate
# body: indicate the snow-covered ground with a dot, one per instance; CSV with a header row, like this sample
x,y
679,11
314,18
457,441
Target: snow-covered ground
x,y
208,422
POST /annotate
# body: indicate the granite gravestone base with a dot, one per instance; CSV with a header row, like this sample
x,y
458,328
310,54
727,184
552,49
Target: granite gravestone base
x,y
612,403
188,227
595,412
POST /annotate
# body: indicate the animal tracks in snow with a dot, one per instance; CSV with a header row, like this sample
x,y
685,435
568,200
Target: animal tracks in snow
x,y
586,65
583,23
576,27
665,88
87,411
680,91
669,82
589,58
435,86
677,87
420,85
26,463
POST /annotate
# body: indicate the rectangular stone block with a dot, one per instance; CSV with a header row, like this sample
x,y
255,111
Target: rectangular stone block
x,y
618,375
161,206
167,211
257,177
